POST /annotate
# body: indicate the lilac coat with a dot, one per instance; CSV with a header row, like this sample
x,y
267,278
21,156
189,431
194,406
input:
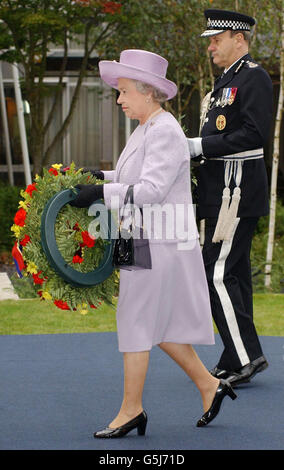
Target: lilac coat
x,y
169,302
156,160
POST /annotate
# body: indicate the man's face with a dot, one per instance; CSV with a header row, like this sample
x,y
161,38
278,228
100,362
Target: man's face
x,y
224,49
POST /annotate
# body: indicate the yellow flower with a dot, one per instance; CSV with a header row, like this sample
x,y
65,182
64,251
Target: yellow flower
x,y
31,267
17,230
78,236
26,196
82,308
46,295
23,205
57,166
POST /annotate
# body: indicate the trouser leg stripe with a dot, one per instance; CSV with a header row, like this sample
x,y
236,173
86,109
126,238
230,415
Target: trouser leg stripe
x,y
225,300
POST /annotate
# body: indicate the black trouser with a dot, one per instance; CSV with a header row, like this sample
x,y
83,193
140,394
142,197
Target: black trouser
x,y
228,273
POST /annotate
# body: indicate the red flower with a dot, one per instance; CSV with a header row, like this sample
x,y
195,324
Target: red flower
x,y
66,168
111,7
61,304
77,259
20,217
94,306
25,240
87,239
31,188
53,171
37,279
76,226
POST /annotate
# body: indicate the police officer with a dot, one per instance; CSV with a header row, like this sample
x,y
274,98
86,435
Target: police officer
x,y
232,190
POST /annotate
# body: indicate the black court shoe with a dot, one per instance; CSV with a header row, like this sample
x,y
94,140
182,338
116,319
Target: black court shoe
x,y
140,422
223,389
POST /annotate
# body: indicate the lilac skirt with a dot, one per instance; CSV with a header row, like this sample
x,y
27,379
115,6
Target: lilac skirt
x,y
169,303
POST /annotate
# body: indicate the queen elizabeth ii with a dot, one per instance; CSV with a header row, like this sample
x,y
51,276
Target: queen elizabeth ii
x,y
167,305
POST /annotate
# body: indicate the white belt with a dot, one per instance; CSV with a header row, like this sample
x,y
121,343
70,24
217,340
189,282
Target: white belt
x,y
228,211
246,155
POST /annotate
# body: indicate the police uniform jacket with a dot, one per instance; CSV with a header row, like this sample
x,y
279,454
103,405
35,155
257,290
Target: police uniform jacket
x,y
236,127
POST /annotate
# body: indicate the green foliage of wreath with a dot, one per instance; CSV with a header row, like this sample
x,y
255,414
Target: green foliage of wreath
x,y
76,245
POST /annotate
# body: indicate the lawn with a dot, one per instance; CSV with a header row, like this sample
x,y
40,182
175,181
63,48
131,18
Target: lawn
x,y
33,316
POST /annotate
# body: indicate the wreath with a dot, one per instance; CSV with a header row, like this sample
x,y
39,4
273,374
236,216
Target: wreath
x,y
77,246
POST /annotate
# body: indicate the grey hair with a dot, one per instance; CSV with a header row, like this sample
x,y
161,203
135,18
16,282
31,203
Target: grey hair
x,y
145,88
246,34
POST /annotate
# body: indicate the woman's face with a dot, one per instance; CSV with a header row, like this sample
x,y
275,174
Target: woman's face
x,y
132,102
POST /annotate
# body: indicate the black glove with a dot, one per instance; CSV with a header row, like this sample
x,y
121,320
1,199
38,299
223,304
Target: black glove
x,y
197,161
97,173
88,194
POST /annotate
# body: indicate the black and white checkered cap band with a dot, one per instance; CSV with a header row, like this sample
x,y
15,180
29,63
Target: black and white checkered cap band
x,y
228,24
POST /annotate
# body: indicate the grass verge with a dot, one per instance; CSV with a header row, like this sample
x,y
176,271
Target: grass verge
x,y
33,316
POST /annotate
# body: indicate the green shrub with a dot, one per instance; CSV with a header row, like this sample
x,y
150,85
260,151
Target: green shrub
x,y
9,199
258,253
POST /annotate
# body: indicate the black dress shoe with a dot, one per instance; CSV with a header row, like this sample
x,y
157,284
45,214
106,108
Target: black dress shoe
x,y
219,373
224,388
230,376
247,372
139,422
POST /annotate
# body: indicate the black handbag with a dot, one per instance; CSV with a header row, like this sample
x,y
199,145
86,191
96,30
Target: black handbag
x,y
131,248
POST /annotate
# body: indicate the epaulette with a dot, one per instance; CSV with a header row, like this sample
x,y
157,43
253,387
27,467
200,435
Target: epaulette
x,y
247,63
251,65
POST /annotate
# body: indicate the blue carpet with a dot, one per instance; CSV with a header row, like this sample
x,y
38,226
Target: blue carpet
x,y
57,389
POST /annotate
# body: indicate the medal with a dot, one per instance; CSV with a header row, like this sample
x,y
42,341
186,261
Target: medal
x,y
224,98
233,92
221,122
228,96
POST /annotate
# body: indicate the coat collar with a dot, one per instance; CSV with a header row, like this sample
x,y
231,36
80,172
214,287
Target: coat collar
x,y
223,79
126,153
133,144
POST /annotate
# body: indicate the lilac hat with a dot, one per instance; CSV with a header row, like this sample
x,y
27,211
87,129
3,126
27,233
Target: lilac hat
x,y
139,65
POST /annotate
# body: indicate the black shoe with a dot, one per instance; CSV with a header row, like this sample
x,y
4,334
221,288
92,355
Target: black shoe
x,y
247,372
223,389
219,373
139,422
230,376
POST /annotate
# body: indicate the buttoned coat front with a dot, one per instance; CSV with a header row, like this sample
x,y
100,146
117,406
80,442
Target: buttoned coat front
x,y
156,160
170,302
246,124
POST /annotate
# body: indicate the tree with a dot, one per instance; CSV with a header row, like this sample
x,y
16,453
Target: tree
x,y
276,153
29,29
179,40
172,29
